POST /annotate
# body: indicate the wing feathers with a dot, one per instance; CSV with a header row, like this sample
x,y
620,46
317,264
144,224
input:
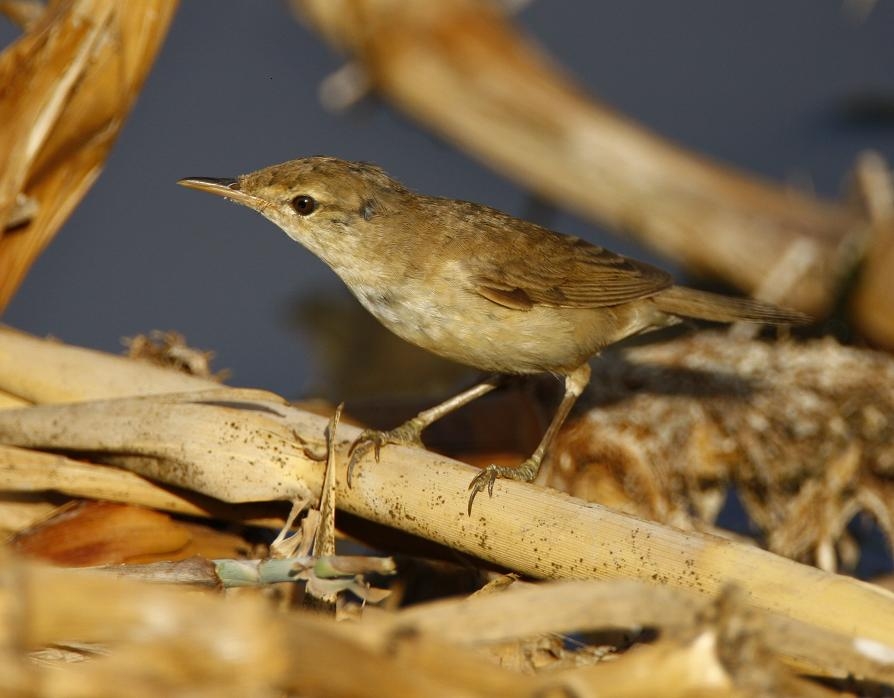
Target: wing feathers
x,y
572,274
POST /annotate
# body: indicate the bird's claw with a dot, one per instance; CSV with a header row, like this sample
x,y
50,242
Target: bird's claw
x,y
483,481
525,472
407,434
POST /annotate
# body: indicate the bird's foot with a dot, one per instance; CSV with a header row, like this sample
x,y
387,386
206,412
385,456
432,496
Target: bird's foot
x,y
407,434
525,472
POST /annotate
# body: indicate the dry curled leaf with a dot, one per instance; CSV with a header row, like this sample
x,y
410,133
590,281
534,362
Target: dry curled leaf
x,y
84,534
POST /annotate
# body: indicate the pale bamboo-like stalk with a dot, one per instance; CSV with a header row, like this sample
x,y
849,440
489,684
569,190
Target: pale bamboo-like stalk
x,y
7,400
668,669
691,668
18,512
243,445
27,471
528,610
43,371
235,646
462,69
239,646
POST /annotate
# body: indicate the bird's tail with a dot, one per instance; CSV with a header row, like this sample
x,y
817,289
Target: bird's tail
x,y
688,302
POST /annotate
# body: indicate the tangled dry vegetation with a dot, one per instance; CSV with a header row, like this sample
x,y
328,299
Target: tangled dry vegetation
x,y
802,430
729,616
169,485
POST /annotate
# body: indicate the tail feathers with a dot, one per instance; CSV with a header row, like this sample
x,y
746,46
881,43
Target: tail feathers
x,y
688,302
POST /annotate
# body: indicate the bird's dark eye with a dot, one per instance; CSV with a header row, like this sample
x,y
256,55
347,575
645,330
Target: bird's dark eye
x,y
304,205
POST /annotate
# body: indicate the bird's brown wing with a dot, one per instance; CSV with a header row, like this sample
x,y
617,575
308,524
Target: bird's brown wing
x,y
567,272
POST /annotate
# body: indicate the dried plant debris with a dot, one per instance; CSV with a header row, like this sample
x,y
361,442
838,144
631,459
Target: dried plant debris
x,y
872,297
82,534
24,13
128,632
251,446
92,533
69,83
803,431
170,350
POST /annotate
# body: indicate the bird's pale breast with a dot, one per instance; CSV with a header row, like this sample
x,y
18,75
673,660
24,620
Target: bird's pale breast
x,y
463,326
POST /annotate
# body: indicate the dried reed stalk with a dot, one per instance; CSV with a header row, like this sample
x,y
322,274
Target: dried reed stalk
x,y
461,68
241,445
872,302
239,646
167,640
526,610
68,85
25,471
43,371
19,511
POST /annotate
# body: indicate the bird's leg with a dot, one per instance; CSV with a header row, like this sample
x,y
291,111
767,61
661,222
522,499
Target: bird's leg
x,y
575,383
408,433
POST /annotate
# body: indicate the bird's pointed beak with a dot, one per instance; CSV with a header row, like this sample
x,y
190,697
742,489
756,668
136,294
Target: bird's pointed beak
x,y
221,186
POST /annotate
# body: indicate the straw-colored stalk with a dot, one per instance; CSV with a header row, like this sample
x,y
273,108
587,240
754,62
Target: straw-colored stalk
x,y
239,646
242,445
68,84
872,301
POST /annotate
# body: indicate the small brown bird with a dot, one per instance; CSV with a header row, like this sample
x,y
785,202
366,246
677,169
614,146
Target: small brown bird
x,y
472,284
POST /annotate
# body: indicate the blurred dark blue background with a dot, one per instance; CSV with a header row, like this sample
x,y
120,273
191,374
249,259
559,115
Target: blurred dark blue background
x,y
762,84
